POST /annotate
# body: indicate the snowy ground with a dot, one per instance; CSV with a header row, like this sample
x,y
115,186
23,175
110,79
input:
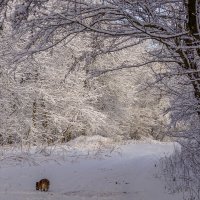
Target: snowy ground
x,y
128,173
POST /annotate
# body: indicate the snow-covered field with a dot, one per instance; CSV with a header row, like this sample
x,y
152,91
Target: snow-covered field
x,y
127,172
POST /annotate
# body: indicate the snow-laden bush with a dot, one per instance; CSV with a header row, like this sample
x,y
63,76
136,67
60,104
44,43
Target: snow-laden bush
x,y
181,170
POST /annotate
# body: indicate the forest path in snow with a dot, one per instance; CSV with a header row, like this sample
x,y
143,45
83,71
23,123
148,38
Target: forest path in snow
x,y
129,174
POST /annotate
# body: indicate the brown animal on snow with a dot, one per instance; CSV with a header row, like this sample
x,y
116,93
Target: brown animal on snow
x,y
43,185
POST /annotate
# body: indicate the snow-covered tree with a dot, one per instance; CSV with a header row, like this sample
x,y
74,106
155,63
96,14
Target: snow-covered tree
x,y
173,26
40,103
130,96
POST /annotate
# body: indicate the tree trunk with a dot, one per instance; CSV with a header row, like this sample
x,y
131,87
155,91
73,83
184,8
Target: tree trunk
x,y
193,27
